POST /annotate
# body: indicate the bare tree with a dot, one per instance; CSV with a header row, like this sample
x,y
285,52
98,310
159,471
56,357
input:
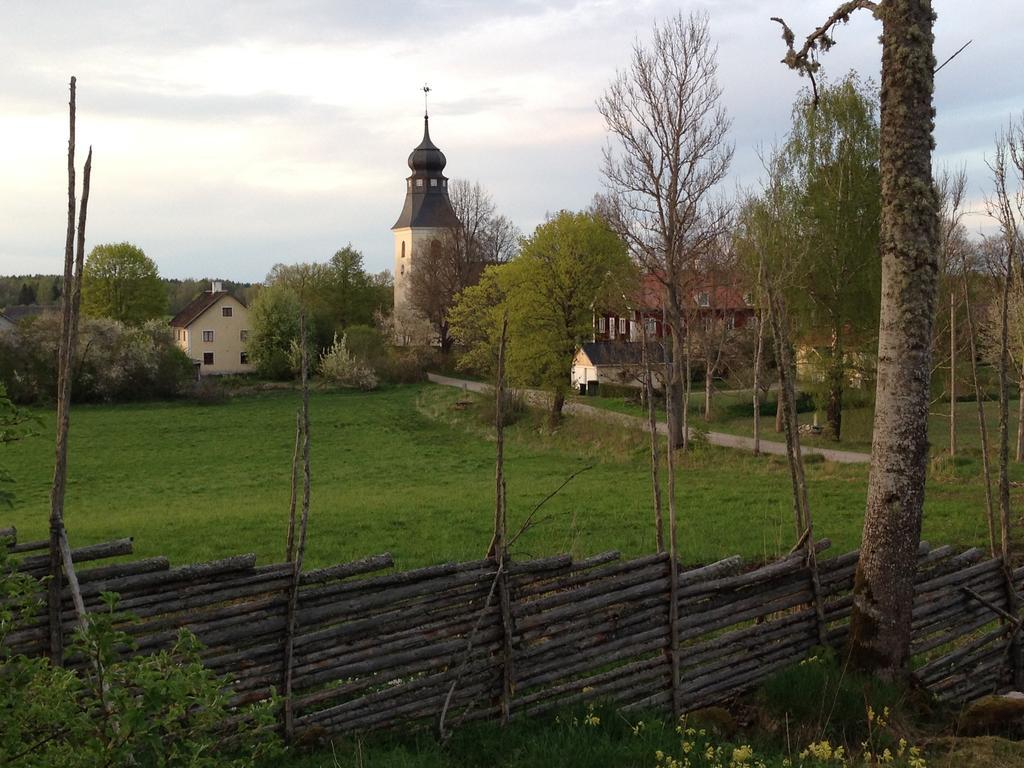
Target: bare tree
x,y
457,258
667,154
884,585
1007,208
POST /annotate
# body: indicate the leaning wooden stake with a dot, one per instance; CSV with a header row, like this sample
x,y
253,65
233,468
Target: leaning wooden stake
x,y
673,564
289,550
60,552
500,540
293,593
659,523
986,469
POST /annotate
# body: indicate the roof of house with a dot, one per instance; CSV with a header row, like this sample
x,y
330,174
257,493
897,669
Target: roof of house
x,y
620,352
197,306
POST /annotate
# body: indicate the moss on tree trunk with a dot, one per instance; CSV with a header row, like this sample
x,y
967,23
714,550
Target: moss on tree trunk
x,y
884,589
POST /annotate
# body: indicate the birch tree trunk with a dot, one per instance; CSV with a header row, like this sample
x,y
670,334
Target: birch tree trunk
x,y
884,584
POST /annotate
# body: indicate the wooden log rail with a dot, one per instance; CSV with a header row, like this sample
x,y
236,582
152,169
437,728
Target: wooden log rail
x,y
373,648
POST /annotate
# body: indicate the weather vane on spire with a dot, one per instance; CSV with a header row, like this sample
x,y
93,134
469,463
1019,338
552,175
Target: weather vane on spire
x,y
426,90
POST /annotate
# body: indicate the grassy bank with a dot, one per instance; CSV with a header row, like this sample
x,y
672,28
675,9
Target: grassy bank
x,y
401,470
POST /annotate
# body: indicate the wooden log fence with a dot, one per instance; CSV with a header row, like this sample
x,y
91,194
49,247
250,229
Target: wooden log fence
x,y
373,648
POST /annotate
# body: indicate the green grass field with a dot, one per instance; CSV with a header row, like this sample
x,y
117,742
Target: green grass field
x,y
400,470
403,470
732,413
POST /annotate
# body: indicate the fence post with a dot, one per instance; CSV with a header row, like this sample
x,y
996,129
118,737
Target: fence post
x,y
819,601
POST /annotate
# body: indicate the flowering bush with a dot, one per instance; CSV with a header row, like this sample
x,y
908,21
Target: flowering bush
x,y
340,366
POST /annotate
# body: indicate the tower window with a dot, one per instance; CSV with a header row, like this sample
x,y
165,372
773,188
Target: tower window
x,y
401,270
433,182
419,182
403,249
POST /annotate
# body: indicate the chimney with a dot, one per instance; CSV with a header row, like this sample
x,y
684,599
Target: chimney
x,y
217,287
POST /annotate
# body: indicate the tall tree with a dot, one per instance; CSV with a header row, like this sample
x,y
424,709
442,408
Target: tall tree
x,y
456,259
568,265
834,148
122,283
668,153
884,585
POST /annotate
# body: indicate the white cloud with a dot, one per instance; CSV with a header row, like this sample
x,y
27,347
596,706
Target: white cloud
x,y
233,135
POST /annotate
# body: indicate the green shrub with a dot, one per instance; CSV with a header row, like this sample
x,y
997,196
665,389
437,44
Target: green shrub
x,y
406,365
113,362
164,709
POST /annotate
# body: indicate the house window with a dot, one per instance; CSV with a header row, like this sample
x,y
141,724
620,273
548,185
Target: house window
x,y
611,327
730,322
244,358
433,182
208,336
419,182
622,326
748,299
243,335
652,326
207,358
703,299
707,324
225,311
602,324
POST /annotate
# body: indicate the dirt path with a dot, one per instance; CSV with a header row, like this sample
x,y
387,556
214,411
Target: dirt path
x,y
537,397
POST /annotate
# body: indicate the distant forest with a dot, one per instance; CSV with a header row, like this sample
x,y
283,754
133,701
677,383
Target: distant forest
x,y
46,289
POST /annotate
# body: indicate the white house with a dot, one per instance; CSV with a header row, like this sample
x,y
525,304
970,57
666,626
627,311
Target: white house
x,y
214,331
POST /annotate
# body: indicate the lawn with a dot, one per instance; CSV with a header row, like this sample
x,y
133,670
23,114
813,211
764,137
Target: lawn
x,y
401,470
732,412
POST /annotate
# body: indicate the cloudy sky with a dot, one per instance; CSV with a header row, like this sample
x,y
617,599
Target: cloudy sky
x,y
232,135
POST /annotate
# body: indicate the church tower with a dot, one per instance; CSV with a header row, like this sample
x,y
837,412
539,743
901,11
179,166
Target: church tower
x,y
427,212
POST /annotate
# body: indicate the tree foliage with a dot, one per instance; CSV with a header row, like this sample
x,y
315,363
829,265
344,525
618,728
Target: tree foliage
x,y
121,283
833,153
113,362
335,295
163,709
568,265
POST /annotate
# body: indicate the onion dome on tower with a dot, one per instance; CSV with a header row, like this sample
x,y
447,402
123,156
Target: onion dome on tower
x,y
426,196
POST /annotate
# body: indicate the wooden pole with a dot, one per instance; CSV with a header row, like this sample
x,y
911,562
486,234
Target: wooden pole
x,y
293,594
500,540
59,551
659,523
982,427
673,558
289,551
